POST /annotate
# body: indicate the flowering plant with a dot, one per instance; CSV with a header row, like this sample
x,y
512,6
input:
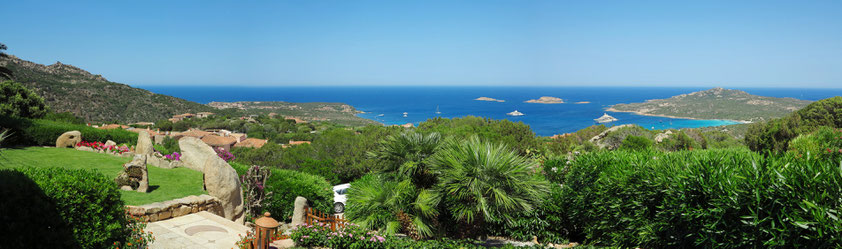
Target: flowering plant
x,y
247,241
254,182
175,156
102,146
137,237
225,155
349,236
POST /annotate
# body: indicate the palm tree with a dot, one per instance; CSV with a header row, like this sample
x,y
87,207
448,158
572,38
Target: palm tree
x,y
378,203
481,182
405,156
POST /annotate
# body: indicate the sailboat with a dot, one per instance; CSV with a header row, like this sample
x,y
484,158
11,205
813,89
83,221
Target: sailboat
x,y
437,110
515,113
404,114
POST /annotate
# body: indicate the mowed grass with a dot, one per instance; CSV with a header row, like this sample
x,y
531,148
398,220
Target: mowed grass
x,y
165,184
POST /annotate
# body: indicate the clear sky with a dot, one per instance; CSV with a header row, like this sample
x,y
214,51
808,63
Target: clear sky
x,y
562,43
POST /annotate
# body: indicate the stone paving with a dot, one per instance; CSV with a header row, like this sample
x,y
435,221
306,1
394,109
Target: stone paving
x,y
198,230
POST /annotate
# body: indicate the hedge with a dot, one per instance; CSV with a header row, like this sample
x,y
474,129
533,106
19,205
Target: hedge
x,y
41,132
286,185
699,199
59,208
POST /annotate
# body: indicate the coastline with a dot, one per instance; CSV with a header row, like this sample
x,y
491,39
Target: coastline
x,y
611,109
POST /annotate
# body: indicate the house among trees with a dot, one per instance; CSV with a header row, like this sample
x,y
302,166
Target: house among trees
x,y
293,142
251,143
180,117
113,126
218,141
204,114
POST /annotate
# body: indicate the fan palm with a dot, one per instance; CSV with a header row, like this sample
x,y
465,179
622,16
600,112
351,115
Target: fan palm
x,y
405,156
377,203
481,181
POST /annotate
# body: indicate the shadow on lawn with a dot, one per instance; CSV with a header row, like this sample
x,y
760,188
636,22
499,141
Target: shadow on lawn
x,y
29,217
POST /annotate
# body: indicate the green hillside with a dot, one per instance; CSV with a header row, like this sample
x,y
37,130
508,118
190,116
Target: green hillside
x,y
716,103
92,97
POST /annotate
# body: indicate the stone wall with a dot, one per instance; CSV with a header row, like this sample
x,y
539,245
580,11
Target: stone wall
x,y
174,208
163,162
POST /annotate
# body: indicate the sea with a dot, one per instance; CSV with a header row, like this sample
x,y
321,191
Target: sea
x,y
386,104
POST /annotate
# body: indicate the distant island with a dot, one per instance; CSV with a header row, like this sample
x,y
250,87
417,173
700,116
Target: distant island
x,y
546,100
339,113
489,99
583,102
716,103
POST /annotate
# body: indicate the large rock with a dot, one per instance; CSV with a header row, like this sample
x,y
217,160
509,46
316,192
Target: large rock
x,y
135,175
221,179
144,144
110,143
299,212
69,139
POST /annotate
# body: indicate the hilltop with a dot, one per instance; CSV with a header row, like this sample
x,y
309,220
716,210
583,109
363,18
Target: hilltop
x,y
716,103
67,88
339,113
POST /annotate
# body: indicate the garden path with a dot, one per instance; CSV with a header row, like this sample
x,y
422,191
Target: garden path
x,y
198,230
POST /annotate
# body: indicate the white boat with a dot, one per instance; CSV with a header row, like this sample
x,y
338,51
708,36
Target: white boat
x,y
515,113
381,115
605,119
437,110
404,114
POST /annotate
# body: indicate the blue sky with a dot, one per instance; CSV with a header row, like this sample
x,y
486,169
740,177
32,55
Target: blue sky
x,y
559,43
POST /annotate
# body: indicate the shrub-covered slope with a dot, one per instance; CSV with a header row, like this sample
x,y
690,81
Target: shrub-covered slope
x,y
92,97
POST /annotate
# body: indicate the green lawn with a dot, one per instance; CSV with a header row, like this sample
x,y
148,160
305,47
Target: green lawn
x,y
165,184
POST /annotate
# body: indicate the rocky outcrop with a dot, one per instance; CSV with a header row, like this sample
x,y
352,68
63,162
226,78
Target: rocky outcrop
x,y
299,212
596,139
546,100
661,136
489,99
174,208
69,139
144,144
134,175
221,179
163,163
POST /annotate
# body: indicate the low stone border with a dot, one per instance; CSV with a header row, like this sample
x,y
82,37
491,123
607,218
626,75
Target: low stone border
x,y
163,162
154,160
178,207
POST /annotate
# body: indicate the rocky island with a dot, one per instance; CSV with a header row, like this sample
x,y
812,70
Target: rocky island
x,y
339,113
716,103
546,100
489,99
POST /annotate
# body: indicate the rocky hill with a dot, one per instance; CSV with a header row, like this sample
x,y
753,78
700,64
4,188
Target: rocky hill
x,y
311,111
716,103
92,97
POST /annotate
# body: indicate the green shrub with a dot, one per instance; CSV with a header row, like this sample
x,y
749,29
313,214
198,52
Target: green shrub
x,y
19,101
636,143
825,143
776,134
40,132
288,184
70,208
678,141
614,139
705,199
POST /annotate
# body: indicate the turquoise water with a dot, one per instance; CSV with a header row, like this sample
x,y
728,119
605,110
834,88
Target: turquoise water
x,y
386,104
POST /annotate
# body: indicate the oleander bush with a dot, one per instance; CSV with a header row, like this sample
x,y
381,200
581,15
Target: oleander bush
x,y
288,184
61,208
699,199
